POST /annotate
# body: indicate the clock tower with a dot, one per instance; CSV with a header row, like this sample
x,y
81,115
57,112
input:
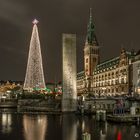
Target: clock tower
x,y
91,52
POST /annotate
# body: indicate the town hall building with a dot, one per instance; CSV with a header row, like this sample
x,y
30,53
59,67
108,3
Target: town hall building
x,y
108,78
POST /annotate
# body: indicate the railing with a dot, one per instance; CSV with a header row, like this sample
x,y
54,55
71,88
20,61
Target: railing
x,y
8,103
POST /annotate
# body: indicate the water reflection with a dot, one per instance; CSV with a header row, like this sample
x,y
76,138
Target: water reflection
x,y
69,126
103,131
83,125
63,127
119,136
34,127
6,120
98,130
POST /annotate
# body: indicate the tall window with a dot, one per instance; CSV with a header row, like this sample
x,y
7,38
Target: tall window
x,y
112,90
87,60
94,59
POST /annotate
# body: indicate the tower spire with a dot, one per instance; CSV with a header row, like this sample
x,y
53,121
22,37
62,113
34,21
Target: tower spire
x,y
90,14
91,37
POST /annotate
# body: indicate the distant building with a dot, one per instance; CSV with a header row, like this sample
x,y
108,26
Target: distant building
x,y
6,86
136,73
112,77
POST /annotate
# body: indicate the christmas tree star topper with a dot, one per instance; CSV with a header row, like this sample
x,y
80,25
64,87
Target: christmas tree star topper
x,y
35,21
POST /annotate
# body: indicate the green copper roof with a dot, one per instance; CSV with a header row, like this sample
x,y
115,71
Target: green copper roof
x,y
111,62
107,64
91,37
80,74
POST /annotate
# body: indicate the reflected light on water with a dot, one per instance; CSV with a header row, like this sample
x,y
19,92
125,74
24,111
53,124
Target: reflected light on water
x,y
119,136
102,136
83,126
34,127
69,128
63,127
6,123
103,132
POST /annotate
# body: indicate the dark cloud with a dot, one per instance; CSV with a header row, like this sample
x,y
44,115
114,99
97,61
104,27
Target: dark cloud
x,y
116,22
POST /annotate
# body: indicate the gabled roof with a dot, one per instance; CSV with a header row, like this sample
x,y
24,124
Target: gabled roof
x,y
80,74
108,63
111,62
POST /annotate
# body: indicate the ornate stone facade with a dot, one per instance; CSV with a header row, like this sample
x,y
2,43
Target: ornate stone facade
x,y
136,73
111,77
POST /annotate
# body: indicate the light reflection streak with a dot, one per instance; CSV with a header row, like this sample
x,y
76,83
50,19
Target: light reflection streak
x,y
69,128
34,127
103,132
6,123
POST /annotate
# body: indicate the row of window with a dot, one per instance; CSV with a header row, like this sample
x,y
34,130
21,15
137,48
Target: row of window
x,y
79,83
110,68
113,90
94,59
111,82
111,75
94,51
105,106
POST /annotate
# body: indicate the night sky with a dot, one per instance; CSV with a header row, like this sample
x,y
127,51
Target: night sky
x,y
117,24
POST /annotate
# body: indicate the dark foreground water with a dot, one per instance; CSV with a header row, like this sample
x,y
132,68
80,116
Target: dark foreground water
x,y
62,127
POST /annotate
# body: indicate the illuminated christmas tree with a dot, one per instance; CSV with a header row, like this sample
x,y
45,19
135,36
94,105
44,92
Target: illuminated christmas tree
x,y
34,79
